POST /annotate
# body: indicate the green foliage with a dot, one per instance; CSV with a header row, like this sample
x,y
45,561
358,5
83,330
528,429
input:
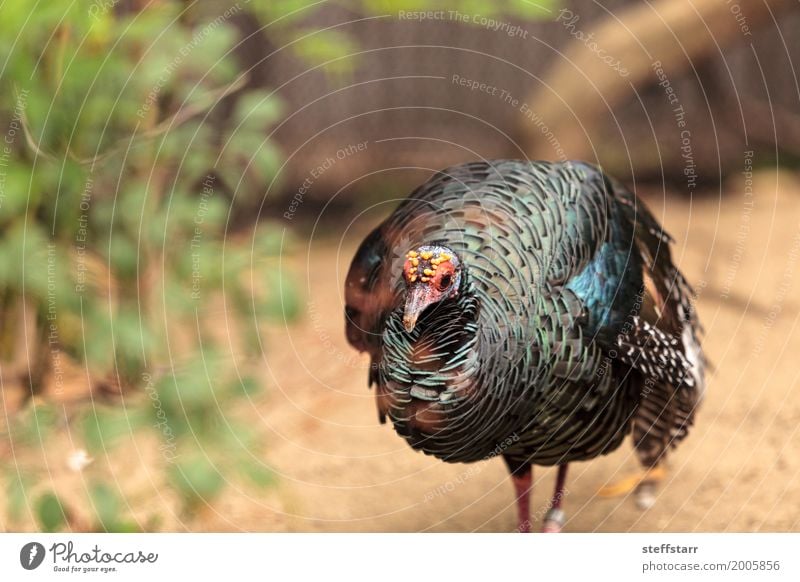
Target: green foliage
x,y
104,426
33,426
259,475
197,479
16,495
50,513
128,139
108,509
533,8
107,506
336,52
330,47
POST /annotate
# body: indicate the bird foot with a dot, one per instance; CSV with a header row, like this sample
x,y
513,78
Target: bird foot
x,y
554,520
647,477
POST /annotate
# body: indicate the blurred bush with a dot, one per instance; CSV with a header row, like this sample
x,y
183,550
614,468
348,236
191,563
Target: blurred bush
x,y
115,194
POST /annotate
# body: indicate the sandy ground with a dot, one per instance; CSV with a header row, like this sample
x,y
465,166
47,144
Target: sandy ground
x,y
339,470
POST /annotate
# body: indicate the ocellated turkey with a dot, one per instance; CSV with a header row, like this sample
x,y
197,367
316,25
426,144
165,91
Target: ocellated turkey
x,y
531,303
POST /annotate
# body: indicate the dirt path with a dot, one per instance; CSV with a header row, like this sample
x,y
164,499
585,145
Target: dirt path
x,y
342,471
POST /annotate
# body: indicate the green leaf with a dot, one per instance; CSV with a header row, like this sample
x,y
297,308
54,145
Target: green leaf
x,y
15,185
50,512
260,475
283,300
206,213
123,255
26,246
238,435
272,239
96,350
131,338
16,496
247,386
394,6
482,8
203,260
130,208
193,140
532,9
106,506
34,425
188,394
267,159
125,527
257,109
103,427
331,48
196,479
288,11
209,41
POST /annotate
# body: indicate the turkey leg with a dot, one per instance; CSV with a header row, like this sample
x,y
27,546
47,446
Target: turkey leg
x,y
555,518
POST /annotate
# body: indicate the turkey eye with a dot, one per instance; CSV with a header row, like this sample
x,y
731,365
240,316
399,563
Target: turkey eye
x,y
445,281
351,313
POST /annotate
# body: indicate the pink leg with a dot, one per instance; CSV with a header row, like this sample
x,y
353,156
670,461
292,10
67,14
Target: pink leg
x,y
555,518
523,483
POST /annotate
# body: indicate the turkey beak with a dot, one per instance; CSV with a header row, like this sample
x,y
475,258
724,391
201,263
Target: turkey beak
x,y
416,301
